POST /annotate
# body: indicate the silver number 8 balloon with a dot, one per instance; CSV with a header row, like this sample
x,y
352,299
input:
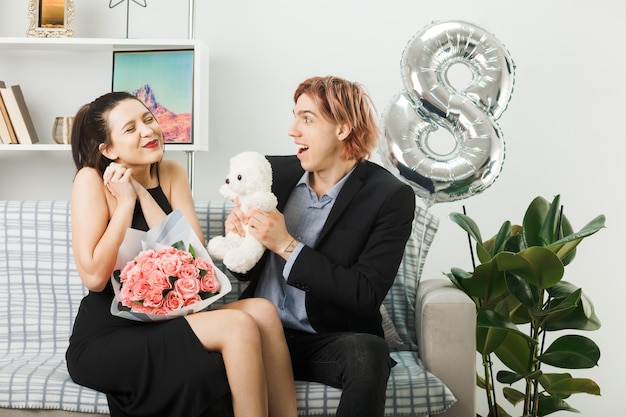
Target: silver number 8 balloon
x,y
429,101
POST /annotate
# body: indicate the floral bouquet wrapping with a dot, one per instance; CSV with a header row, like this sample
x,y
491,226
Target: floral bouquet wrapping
x,y
165,273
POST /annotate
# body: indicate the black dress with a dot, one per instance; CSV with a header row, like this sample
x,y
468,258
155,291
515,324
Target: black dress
x,y
145,369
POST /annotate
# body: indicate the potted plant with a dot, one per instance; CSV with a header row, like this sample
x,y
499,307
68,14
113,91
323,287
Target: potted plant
x,y
521,298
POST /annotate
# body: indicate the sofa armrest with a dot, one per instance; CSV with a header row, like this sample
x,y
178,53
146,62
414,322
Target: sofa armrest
x,y
445,320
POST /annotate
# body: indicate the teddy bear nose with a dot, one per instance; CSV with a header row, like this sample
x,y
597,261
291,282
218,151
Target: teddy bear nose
x,y
227,181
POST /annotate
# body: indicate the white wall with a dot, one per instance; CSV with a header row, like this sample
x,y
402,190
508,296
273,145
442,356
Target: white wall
x,y
563,128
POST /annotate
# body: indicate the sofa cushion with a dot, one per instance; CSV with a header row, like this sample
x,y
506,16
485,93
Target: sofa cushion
x,y
389,329
40,286
401,298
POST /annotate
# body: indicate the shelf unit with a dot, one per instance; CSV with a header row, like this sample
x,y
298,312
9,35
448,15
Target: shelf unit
x,y
81,49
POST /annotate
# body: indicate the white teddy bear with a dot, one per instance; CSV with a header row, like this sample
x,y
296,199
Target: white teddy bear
x,y
249,180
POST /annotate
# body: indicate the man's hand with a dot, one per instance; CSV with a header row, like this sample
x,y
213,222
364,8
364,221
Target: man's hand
x,y
236,220
269,228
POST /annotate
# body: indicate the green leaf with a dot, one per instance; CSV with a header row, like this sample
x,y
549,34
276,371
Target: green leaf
x,y
488,339
122,307
491,330
589,229
539,266
515,353
558,309
516,242
467,224
565,246
502,237
207,294
512,395
457,275
486,317
511,306
571,352
533,221
192,251
548,405
550,229
583,317
563,385
520,289
180,245
562,289
549,379
470,226
507,377
486,283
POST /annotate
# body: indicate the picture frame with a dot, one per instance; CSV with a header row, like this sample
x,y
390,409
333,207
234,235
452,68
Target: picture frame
x,y
50,18
164,81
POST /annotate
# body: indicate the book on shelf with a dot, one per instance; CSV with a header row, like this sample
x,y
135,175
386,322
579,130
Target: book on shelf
x,y
7,134
18,113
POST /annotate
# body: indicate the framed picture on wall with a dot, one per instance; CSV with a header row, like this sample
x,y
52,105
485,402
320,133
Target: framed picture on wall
x,y
163,81
50,18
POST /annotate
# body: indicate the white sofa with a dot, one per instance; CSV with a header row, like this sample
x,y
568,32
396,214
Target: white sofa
x,y
40,292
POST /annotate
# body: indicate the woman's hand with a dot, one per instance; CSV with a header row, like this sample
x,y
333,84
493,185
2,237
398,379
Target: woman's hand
x,y
118,181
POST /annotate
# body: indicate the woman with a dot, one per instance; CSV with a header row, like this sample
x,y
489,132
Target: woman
x,y
169,368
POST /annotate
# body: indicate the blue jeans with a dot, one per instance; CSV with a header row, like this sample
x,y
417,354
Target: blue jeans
x,y
357,363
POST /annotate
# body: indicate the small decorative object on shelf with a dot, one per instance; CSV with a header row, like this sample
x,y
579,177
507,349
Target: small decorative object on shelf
x,y
50,18
115,3
62,129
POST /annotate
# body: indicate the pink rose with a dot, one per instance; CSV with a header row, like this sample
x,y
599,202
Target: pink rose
x,y
209,283
130,272
204,264
126,295
187,287
166,250
145,256
185,257
188,271
154,298
173,301
160,310
140,289
192,300
158,280
170,264
129,265
150,265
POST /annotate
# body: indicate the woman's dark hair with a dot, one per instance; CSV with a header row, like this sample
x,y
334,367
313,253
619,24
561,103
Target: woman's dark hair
x,y
90,129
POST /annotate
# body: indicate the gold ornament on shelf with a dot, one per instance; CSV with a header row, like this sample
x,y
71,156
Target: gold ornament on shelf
x,y
50,18
62,129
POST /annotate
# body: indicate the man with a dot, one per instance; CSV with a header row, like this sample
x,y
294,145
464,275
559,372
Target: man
x,y
335,243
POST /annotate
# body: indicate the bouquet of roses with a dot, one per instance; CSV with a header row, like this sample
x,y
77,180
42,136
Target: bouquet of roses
x,y
165,280
155,279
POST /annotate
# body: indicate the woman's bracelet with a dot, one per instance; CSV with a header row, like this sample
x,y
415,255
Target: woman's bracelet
x,y
291,246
